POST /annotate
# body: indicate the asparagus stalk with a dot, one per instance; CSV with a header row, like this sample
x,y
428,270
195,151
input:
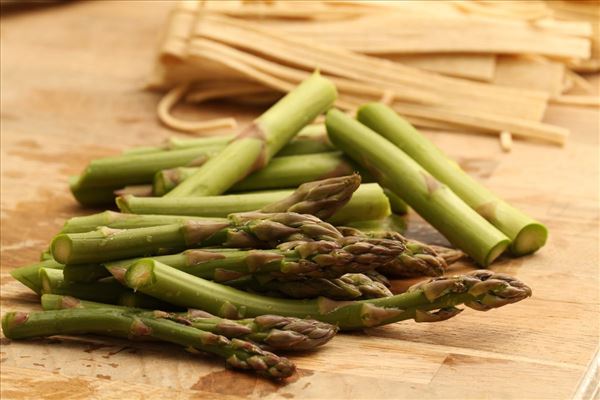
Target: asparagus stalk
x,y
526,234
243,230
320,198
277,332
368,202
252,149
290,261
434,201
29,275
105,291
481,290
119,171
281,172
117,220
237,353
346,287
310,140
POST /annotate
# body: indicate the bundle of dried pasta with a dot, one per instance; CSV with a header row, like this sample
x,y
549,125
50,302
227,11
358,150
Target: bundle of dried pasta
x,y
260,50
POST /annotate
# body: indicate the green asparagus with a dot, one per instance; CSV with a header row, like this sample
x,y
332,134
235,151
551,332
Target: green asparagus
x,y
434,201
290,261
237,353
252,149
280,333
481,290
243,230
368,202
280,173
526,234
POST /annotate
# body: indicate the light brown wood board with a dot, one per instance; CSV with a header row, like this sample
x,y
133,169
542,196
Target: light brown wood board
x,y
72,89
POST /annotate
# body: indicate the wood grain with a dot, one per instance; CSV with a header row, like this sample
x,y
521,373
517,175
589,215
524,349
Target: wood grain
x,y
72,89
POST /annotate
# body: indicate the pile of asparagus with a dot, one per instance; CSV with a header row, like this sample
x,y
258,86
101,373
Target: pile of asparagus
x,y
242,275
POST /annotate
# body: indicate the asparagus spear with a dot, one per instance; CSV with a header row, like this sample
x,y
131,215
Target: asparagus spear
x,y
280,333
243,230
290,261
346,287
252,149
237,353
397,204
435,202
481,290
368,202
280,173
526,234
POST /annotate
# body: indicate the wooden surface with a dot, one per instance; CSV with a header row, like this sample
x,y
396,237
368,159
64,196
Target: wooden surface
x,y
72,89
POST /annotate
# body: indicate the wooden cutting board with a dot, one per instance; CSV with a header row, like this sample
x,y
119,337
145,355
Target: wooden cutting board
x,y
72,90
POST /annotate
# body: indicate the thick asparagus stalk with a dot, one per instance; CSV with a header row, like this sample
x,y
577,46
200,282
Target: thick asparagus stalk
x,y
106,291
346,287
280,333
243,230
290,261
526,234
237,353
281,173
397,204
481,290
119,171
434,201
117,220
252,149
368,202
321,198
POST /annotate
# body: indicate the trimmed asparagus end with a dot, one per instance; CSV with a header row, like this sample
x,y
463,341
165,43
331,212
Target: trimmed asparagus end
x,y
61,248
496,251
123,203
529,239
140,274
12,320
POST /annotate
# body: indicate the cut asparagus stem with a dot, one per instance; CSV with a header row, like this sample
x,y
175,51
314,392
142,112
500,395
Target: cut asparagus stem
x,y
346,287
237,353
29,275
117,220
135,190
120,171
481,290
434,201
243,230
279,333
281,173
368,201
526,234
91,196
290,261
252,149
